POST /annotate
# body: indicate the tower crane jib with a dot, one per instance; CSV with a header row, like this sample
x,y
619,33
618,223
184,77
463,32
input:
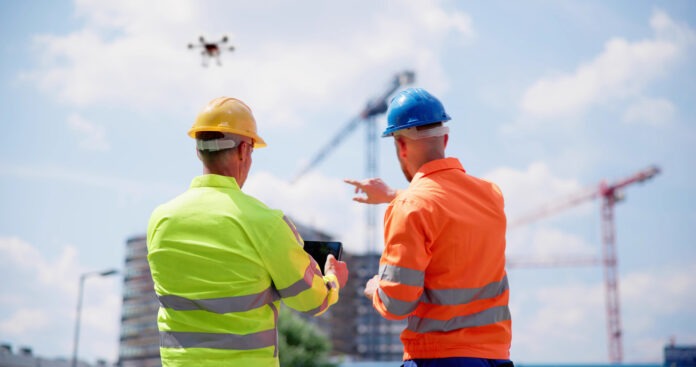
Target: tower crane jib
x,y
374,107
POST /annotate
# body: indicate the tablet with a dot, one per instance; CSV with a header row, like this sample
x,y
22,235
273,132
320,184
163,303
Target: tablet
x,y
320,250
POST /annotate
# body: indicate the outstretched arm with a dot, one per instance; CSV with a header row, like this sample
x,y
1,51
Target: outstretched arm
x,y
375,190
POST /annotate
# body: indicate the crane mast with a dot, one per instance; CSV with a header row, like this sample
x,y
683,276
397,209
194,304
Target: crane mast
x,y
610,194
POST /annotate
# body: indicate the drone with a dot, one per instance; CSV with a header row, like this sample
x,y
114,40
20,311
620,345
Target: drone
x,y
211,50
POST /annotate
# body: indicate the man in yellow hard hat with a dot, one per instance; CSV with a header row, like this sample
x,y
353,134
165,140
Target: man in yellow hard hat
x,y
221,260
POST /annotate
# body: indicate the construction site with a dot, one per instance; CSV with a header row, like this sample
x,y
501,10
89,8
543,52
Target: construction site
x,y
585,131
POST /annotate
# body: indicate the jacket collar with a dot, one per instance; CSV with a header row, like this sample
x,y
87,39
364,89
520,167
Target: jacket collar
x,y
437,165
215,181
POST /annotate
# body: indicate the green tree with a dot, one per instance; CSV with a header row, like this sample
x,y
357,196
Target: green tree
x,y
301,344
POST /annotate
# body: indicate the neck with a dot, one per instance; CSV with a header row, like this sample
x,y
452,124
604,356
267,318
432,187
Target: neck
x,y
426,151
229,170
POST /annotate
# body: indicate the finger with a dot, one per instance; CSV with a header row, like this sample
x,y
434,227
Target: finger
x,y
360,199
330,262
351,182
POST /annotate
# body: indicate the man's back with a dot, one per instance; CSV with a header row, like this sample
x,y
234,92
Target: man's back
x,y
202,256
218,225
448,229
221,261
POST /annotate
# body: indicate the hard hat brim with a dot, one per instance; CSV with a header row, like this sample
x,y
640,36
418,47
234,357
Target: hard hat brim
x,y
389,131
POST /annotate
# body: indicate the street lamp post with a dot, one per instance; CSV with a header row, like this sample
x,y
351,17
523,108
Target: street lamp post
x,y
78,312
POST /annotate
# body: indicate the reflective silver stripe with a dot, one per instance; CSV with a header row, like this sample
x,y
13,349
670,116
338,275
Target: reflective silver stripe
x,y
275,327
302,284
241,303
445,297
220,305
485,317
178,339
395,306
324,305
401,275
316,310
460,296
290,224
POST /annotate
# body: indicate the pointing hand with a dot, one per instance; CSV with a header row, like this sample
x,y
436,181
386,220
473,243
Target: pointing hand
x,y
375,190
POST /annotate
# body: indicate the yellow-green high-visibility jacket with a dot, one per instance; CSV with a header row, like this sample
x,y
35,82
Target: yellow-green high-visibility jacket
x,y
221,261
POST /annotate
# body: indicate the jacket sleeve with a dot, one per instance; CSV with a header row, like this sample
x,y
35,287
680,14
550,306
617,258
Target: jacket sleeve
x,y
295,275
404,260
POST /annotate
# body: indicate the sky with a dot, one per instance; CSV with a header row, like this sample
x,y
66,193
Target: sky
x,y
547,98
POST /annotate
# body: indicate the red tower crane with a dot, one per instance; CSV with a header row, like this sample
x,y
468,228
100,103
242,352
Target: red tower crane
x,y
610,194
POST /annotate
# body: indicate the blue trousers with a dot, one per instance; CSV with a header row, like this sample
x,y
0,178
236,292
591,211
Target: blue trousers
x,y
458,362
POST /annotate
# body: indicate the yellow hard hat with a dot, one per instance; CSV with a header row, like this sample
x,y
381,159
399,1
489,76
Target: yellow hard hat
x,y
227,115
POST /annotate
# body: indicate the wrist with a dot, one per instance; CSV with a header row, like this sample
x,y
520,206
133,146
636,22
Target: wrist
x,y
393,194
331,280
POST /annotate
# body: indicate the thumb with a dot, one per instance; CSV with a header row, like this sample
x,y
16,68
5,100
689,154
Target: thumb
x,y
330,262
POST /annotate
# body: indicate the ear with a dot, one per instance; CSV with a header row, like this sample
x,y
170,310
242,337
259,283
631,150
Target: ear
x,y
446,139
241,151
401,147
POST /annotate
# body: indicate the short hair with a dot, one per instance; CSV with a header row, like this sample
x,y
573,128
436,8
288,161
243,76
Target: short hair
x,y
209,135
428,126
209,157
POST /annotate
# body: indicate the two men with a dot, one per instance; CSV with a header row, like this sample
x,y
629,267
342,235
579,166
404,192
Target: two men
x,y
221,260
443,265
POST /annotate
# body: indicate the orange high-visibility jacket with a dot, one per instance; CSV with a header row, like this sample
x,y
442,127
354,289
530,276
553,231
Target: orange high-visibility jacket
x,y
443,265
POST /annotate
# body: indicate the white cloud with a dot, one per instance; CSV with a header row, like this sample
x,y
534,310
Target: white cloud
x,y
652,112
318,201
526,190
125,188
133,54
60,273
24,321
621,71
551,318
93,136
549,246
18,252
533,194
665,284
45,307
655,304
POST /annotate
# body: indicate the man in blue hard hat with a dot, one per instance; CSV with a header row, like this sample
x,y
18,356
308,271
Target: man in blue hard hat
x,y
443,265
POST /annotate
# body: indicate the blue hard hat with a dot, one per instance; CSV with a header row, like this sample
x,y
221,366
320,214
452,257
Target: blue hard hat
x,y
413,107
